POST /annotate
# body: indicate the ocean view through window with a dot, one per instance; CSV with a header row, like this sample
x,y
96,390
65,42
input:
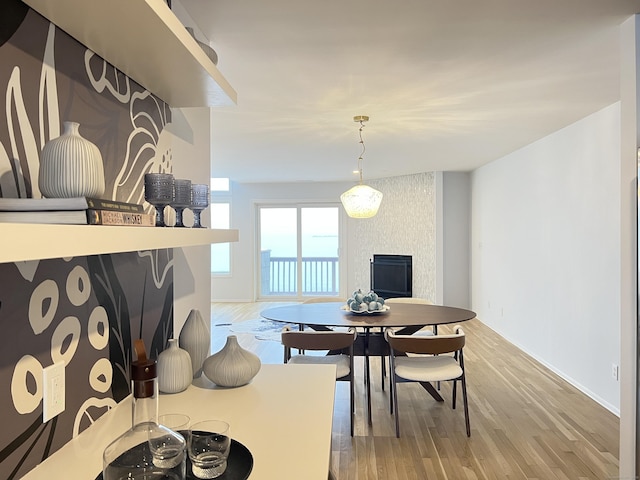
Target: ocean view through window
x,y
299,251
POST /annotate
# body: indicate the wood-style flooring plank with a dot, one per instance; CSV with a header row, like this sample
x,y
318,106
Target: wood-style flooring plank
x,y
527,423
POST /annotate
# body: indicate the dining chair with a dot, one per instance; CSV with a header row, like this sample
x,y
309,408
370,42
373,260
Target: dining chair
x,y
319,300
417,301
345,329
310,340
440,359
423,331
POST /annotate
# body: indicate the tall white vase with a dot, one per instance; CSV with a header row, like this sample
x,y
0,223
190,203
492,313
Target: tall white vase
x,y
71,166
233,366
195,338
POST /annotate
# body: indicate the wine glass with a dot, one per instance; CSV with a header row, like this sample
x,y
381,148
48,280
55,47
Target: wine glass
x,y
158,191
199,201
181,199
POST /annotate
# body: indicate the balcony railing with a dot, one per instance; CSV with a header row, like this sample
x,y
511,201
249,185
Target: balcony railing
x,y
280,275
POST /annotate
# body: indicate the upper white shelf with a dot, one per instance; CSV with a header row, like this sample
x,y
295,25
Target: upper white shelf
x,y
28,241
147,42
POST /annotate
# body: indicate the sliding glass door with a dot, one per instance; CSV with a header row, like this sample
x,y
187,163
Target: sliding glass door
x,y
299,250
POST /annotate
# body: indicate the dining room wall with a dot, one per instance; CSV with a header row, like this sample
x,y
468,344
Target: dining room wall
x,y
545,248
404,225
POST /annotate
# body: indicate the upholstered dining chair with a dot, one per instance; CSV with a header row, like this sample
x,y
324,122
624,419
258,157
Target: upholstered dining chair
x,y
441,359
423,331
416,301
319,300
310,340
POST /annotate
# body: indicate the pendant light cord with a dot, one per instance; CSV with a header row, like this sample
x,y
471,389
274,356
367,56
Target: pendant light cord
x,y
362,152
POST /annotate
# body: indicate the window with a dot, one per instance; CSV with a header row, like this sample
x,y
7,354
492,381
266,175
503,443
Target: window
x,y
299,251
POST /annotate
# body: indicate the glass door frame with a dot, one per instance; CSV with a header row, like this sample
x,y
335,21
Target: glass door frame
x,y
342,242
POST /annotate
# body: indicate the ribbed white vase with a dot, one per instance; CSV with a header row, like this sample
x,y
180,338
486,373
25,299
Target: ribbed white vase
x,y
233,366
195,338
71,166
175,372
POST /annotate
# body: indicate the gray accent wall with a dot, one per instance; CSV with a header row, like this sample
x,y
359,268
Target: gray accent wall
x,y
85,311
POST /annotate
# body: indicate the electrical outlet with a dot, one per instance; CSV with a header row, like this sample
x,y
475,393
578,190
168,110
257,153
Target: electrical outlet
x,y
53,381
615,371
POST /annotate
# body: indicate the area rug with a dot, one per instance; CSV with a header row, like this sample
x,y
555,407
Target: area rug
x,y
261,328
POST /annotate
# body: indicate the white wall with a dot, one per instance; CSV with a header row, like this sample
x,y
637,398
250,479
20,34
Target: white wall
x,y
192,273
546,251
454,246
405,224
190,130
630,140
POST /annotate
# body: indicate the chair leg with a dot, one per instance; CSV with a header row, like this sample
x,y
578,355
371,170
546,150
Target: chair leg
x,y
301,328
466,406
383,368
394,390
352,402
367,380
391,394
455,391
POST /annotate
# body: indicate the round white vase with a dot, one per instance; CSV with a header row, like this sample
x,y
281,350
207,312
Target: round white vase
x,y
195,338
175,372
233,366
71,166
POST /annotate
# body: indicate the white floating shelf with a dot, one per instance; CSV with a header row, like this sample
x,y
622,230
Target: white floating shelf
x,y
146,41
28,241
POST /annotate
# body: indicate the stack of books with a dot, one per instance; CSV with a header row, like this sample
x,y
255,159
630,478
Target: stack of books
x,y
76,211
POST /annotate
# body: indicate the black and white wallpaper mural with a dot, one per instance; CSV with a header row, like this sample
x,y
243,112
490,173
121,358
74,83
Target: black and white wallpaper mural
x,y
85,311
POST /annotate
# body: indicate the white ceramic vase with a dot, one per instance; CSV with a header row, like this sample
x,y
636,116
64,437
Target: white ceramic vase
x,y
175,372
195,338
233,366
71,166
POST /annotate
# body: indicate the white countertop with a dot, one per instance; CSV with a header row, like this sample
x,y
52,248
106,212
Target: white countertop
x,y
284,417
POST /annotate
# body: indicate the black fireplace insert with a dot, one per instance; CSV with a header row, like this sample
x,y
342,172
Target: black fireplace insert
x,y
391,275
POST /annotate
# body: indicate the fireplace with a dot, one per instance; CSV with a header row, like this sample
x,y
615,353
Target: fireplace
x,y
391,275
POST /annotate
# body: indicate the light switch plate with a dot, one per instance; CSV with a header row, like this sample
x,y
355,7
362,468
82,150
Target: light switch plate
x,y
53,390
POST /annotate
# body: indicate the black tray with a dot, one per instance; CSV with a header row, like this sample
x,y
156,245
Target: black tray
x,y
239,463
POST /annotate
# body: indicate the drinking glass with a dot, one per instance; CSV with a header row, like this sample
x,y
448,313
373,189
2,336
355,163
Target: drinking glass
x,y
178,422
181,198
158,191
208,446
199,201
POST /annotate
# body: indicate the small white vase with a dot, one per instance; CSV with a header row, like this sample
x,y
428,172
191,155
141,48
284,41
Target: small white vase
x,y
195,338
233,366
71,166
175,371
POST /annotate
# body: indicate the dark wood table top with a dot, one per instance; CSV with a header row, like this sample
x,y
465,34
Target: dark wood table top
x,y
330,314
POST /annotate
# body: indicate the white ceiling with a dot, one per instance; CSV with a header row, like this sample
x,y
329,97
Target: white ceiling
x,y
448,84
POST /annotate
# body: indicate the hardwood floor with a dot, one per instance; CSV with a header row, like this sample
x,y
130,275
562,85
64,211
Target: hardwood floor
x,y
526,422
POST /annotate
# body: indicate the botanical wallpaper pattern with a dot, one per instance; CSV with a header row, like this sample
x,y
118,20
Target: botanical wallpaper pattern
x,y
85,311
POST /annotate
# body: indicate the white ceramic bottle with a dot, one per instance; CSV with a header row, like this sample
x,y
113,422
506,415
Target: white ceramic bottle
x,y
175,371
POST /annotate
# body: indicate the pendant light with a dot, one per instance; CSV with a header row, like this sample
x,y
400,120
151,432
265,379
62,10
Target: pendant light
x,y
361,201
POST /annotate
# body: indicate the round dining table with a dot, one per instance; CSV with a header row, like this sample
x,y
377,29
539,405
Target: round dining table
x,y
406,318
398,315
